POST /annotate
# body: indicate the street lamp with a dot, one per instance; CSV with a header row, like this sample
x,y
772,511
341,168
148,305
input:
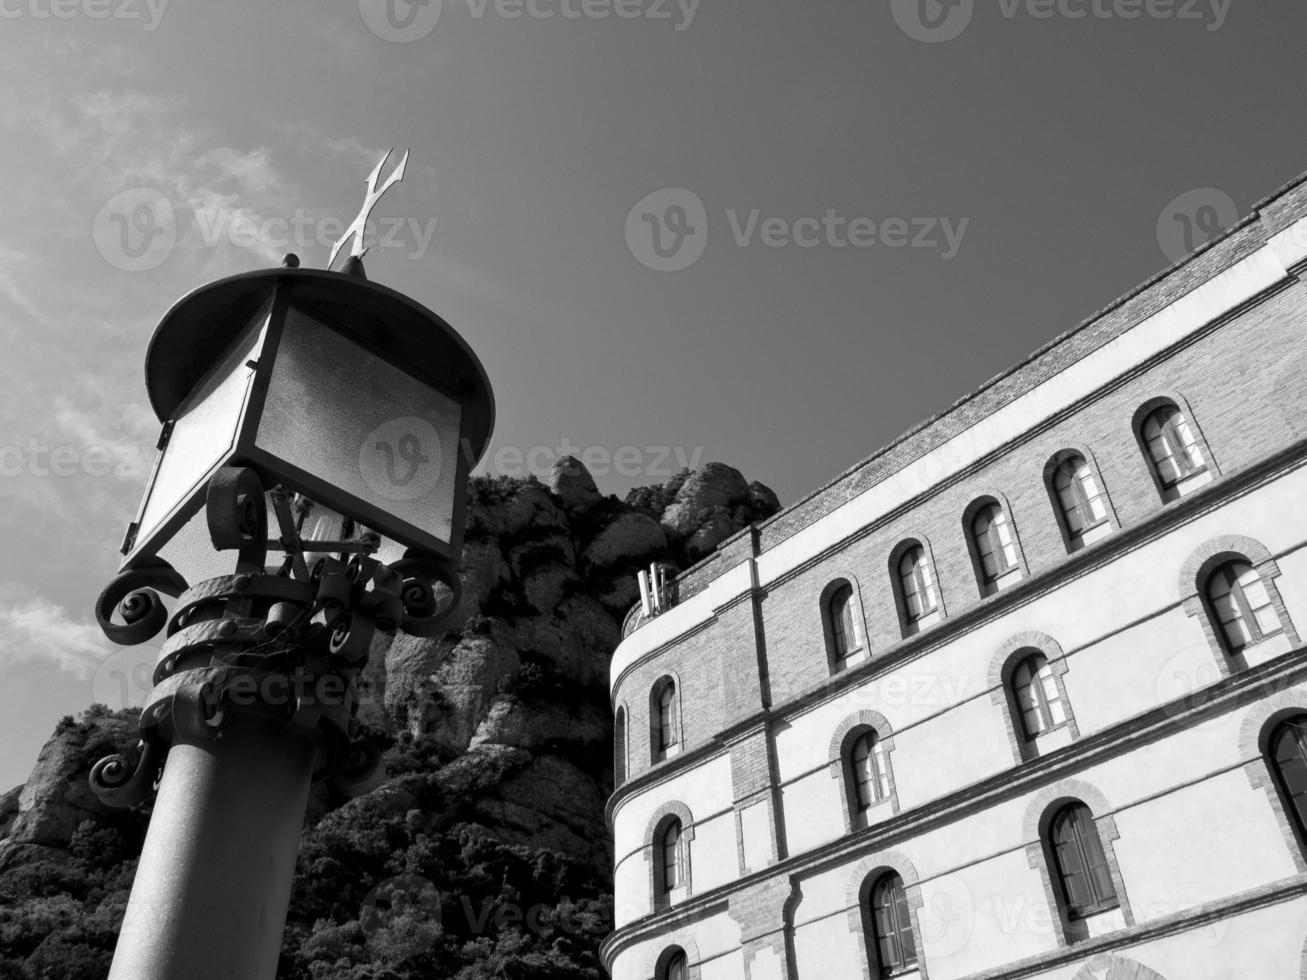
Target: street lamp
x,y
320,426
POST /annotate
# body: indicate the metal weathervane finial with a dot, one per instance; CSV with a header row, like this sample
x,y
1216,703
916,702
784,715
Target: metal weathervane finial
x,y
358,227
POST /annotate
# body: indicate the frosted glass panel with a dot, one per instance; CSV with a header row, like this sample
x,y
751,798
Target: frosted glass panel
x,y
204,431
192,553
348,418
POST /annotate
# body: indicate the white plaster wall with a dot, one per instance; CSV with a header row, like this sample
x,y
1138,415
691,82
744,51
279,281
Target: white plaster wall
x,y
729,966
825,948
1205,837
714,857
1264,944
705,789
756,835
950,751
716,937
1292,584
1200,844
631,897
813,809
983,916
1112,675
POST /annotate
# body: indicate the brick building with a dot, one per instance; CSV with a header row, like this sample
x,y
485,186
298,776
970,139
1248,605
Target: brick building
x,y
1020,695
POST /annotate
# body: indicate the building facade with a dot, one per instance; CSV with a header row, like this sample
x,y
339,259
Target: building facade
x,y
1021,695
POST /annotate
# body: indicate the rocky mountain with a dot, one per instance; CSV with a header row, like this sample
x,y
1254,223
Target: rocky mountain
x,y
485,853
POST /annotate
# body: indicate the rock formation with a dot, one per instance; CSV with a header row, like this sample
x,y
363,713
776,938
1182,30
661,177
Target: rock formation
x,y
486,849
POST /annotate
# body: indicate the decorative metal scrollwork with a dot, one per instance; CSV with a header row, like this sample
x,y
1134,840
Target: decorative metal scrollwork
x,y
238,516
134,595
126,779
424,614
263,645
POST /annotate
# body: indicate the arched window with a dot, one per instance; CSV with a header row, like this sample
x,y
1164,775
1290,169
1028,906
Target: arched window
x,y
891,928
1172,446
995,545
665,720
839,610
619,747
916,588
1037,698
1241,605
1086,879
677,967
672,854
1289,755
868,771
1082,506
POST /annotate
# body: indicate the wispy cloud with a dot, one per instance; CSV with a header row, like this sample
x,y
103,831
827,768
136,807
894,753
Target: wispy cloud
x,y
14,266
35,628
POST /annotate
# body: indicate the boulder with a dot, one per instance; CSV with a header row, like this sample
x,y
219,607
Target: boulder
x,y
540,725
632,537
712,485
572,483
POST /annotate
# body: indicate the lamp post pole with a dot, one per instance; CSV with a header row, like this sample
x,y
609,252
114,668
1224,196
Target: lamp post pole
x,y
277,388
252,697
214,881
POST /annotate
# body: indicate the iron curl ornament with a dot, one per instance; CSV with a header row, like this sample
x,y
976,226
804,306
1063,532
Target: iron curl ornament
x,y
285,646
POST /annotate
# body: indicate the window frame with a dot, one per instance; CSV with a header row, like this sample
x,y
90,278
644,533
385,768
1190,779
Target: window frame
x,y
666,737
844,635
989,506
1083,832
1072,458
621,746
898,913
876,786
1185,483
672,857
669,815
1246,612
859,648
1294,810
1037,683
840,767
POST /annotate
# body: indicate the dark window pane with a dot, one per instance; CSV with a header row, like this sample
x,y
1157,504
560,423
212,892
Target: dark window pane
x,y
892,925
841,621
1290,751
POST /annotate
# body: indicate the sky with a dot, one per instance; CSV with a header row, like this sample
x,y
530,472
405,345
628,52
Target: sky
x,y
773,234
